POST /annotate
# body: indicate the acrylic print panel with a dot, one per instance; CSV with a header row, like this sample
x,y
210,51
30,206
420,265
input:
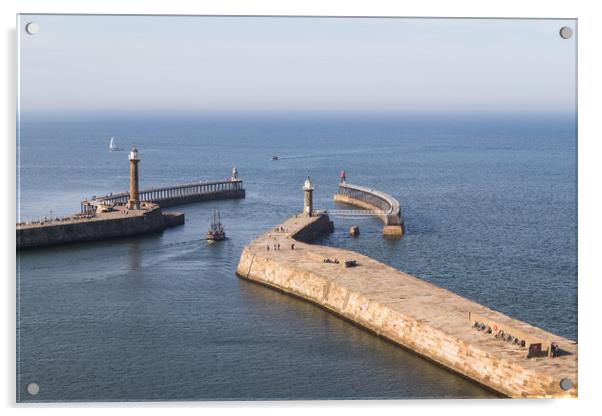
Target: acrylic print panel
x,y
410,182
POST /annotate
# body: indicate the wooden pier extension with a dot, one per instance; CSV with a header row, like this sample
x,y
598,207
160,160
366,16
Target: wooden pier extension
x,y
174,195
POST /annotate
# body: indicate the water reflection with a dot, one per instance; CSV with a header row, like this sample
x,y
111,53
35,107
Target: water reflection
x,y
134,256
341,343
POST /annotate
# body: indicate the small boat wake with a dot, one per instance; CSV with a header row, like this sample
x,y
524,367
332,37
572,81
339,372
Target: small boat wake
x,y
293,157
301,156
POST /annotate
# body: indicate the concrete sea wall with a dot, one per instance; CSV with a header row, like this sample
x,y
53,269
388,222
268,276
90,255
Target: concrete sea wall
x,y
173,219
314,229
95,229
409,312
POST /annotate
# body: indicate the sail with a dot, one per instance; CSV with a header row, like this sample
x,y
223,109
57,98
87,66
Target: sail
x,y
112,146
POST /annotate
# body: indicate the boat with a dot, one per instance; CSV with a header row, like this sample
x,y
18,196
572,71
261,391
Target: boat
x,y
216,231
113,147
274,157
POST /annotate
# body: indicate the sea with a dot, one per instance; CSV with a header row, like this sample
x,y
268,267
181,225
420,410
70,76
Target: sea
x,y
489,203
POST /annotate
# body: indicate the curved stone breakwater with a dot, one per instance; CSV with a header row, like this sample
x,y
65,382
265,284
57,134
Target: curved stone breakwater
x,y
372,199
439,325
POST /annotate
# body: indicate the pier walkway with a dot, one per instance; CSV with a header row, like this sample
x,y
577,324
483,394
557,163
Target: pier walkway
x,y
174,195
352,213
87,227
377,204
511,357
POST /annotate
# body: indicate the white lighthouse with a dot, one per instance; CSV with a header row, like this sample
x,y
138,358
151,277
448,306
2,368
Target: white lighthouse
x,y
234,176
308,202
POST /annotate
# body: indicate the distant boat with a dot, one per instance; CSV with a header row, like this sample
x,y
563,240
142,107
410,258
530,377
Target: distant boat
x,y
274,157
216,231
113,147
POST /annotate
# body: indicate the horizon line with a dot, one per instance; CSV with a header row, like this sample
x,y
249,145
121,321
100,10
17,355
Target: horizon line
x,y
175,114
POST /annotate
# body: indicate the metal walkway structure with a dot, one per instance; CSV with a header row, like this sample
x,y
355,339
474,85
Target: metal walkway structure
x,y
353,213
174,195
375,203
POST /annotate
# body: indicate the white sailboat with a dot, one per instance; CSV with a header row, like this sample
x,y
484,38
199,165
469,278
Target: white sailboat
x,y
113,147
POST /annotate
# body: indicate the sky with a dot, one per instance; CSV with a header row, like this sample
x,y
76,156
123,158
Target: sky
x,y
195,64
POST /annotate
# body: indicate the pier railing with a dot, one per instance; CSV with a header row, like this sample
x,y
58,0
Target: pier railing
x,y
351,213
387,206
174,195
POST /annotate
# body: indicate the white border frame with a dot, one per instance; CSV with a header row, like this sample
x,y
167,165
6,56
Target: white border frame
x,y
590,135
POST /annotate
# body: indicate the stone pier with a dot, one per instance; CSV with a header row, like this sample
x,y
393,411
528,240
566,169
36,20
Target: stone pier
x,y
103,224
486,346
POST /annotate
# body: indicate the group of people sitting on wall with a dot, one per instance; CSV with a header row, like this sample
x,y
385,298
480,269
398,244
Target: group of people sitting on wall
x,y
47,220
480,326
